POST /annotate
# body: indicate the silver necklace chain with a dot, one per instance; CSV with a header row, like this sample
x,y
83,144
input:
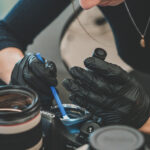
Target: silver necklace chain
x,y
133,21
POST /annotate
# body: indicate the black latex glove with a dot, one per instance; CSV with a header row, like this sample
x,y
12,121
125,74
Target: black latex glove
x,y
108,91
37,75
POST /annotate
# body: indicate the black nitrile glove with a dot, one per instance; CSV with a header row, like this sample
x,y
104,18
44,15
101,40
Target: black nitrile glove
x,y
39,76
109,92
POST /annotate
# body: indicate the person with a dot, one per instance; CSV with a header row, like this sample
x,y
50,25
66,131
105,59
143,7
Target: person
x,y
29,17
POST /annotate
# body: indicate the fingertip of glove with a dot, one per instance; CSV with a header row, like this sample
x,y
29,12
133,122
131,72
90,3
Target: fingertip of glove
x,y
66,83
71,70
70,85
75,70
51,66
100,53
89,61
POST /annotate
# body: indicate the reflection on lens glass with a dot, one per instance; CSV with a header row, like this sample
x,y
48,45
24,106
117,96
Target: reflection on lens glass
x,y
71,112
14,102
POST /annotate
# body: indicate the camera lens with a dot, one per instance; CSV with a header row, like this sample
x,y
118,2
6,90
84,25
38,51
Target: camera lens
x,y
117,138
66,131
75,113
20,119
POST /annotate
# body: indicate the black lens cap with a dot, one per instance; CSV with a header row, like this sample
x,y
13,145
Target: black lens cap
x,y
116,138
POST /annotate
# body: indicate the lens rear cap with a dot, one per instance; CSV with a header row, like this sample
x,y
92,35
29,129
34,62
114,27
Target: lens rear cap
x,y
117,138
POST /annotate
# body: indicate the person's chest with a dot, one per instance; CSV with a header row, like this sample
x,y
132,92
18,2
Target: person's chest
x,y
126,35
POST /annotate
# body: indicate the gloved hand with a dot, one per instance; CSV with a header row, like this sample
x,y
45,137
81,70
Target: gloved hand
x,y
39,76
109,92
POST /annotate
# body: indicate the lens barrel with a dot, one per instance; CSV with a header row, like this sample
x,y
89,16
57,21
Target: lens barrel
x,y
20,119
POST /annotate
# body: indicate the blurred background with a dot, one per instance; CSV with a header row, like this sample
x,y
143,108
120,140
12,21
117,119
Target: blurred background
x,y
65,40
5,6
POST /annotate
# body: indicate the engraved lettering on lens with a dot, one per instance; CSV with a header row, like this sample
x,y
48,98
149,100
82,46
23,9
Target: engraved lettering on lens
x,y
20,119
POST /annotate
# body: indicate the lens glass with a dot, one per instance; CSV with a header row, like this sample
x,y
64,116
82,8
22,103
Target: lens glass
x,y
16,102
71,112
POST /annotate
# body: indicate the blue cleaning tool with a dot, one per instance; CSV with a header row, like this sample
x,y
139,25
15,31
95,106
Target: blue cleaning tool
x,y
65,118
56,96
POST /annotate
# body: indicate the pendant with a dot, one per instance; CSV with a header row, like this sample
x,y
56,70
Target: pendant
x,y
142,42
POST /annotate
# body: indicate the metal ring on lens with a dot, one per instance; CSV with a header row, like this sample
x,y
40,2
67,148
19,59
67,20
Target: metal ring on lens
x,y
82,112
9,109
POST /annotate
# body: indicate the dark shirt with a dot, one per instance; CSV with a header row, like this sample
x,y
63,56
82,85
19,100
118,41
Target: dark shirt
x,y
126,36
25,21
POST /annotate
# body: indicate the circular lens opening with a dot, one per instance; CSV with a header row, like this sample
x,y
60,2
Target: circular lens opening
x,y
17,105
71,112
15,102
